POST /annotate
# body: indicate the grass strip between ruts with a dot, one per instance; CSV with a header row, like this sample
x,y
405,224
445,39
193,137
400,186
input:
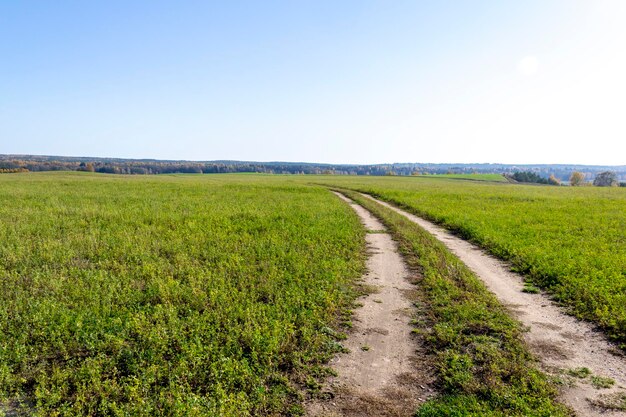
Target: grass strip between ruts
x,y
483,366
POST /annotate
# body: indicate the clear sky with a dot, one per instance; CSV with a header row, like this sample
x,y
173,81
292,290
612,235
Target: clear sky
x,y
535,81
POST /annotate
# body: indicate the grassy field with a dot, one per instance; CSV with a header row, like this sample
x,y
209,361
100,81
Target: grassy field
x,y
471,177
169,295
217,294
568,240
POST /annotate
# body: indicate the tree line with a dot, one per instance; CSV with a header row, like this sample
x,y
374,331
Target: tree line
x,y
576,179
541,174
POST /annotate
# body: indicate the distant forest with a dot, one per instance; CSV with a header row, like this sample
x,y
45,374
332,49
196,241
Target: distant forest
x,y
16,163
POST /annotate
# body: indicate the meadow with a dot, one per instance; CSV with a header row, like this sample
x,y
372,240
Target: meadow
x,y
169,295
570,241
225,294
469,177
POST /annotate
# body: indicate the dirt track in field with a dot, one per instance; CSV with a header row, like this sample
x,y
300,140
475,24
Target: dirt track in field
x,y
560,341
384,373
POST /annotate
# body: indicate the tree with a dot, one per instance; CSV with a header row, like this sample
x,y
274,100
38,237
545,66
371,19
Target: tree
x,y
577,179
554,180
606,179
529,176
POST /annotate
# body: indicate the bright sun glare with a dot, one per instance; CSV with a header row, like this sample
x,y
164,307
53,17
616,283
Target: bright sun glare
x,y
529,65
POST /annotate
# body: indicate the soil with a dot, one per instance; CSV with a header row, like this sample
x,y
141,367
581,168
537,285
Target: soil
x,y
561,342
385,372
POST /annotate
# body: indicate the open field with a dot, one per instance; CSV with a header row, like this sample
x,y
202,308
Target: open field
x,y
471,177
177,295
570,241
217,294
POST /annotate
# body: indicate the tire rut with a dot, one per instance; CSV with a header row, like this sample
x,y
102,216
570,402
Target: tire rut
x,y
561,342
384,372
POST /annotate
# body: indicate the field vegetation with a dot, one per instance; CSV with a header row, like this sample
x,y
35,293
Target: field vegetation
x,y
569,241
472,177
218,295
172,295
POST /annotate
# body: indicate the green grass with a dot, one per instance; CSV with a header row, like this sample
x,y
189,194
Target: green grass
x,y
600,382
597,381
483,366
530,288
570,241
579,372
172,295
472,177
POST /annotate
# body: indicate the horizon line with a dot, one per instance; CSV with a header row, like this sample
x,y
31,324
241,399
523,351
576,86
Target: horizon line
x,y
87,158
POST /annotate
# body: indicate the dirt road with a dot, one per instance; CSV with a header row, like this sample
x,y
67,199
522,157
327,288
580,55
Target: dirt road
x,y
561,342
381,375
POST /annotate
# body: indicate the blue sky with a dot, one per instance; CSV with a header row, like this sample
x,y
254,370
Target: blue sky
x,y
318,81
